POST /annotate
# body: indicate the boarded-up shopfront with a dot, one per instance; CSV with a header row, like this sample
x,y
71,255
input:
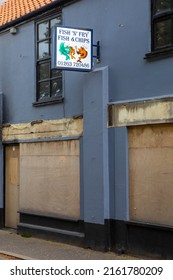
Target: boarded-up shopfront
x,y
49,179
151,173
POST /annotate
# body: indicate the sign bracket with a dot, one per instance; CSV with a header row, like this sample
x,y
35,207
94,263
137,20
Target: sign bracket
x,y
97,56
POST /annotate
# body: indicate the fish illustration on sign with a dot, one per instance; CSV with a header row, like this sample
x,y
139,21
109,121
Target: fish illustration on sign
x,y
69,52
83,53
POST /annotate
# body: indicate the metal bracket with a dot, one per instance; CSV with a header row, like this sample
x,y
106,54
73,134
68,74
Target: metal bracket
x,y
97,56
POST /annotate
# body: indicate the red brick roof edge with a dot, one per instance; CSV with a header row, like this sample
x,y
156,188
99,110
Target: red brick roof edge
x,y
12,10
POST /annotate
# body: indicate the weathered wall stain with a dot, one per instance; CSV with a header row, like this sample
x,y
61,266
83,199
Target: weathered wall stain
x,y
141,112
44,129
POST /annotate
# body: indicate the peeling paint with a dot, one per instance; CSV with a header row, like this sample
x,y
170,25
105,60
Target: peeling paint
x,y
144,112
43,129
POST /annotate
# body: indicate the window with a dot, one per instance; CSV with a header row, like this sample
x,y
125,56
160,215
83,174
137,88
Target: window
x,y
162,24
49,82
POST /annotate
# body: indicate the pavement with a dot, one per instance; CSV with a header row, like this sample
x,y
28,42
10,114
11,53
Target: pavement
x,y
14,246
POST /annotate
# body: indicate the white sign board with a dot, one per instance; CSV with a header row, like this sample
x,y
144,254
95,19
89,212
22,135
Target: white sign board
x,y
72,48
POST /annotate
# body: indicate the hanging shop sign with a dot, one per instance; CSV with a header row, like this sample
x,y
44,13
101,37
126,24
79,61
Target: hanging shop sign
x,y
72,49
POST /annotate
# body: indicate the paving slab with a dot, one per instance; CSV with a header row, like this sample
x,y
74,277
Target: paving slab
x,y
13,244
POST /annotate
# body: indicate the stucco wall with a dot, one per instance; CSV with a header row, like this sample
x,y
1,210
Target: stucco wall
x,y
17,75
123,28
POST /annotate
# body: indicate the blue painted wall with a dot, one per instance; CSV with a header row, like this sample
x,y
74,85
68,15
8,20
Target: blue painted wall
x,y
1,157
123,28
17,75
95,147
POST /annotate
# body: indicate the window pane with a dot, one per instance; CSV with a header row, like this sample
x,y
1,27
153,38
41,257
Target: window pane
x,y
161,5
56,73
56,88
49,82
43,49
43,30
44,90
55,21
163,33
43,71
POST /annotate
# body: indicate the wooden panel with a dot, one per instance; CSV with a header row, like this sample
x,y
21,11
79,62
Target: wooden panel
x,y
50,178
151,174
55,148
11,186
151,136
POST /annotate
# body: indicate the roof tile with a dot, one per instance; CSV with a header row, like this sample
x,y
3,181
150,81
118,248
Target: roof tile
x,y
14,9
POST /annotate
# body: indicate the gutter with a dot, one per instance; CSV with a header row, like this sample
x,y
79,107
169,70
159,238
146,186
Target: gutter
x,y
46,8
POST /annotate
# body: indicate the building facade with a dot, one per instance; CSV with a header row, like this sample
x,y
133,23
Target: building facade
x,y
87,157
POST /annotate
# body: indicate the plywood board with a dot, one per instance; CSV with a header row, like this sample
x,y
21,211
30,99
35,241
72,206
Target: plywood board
x,y
151,174
11,186
50,178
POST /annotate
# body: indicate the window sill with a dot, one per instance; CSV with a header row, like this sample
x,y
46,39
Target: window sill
x,y
159,54
48,102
